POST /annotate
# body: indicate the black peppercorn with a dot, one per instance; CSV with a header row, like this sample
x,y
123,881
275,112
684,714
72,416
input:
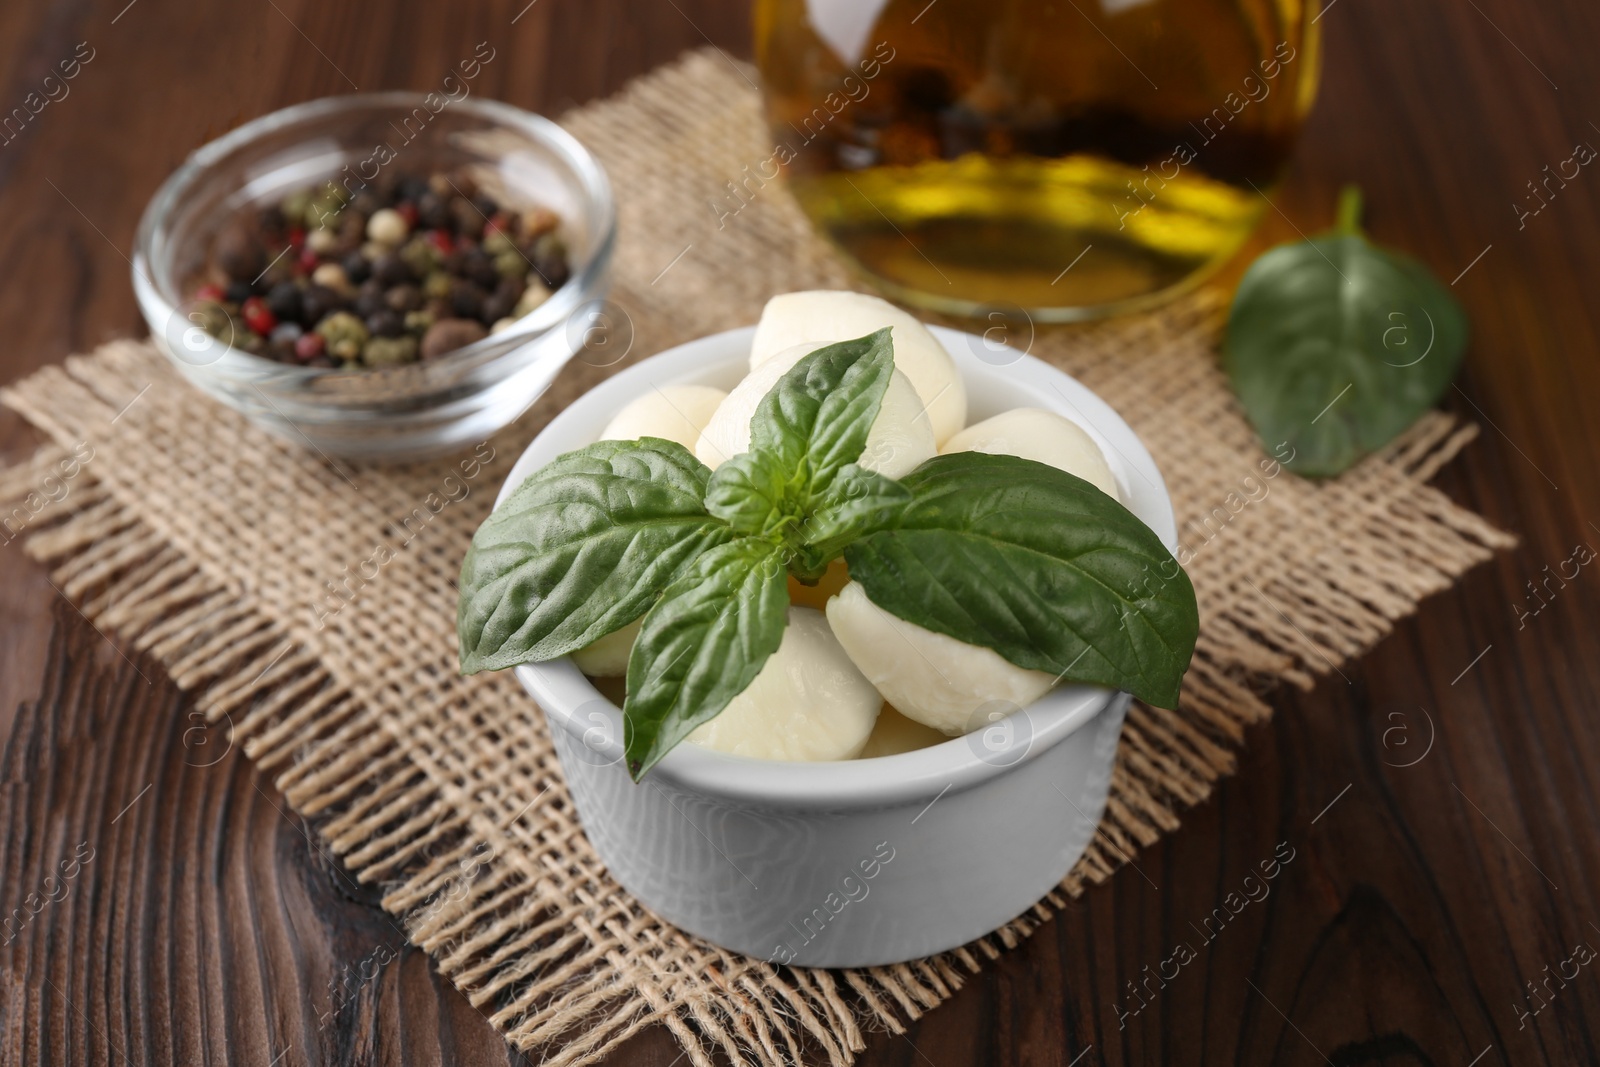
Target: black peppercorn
x,y
283,300
431,212
549,258
370,298
239,252
404,298
497,307
411,187
478,266
318,302
352,232
553,270
386,323
390,269
357,267
237,292
467,218
466,299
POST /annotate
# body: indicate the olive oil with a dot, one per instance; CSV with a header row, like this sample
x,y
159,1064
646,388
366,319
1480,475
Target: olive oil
x,y
1068,159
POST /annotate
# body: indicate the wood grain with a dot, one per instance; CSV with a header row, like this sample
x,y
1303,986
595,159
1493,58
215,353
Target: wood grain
x,y
1440,798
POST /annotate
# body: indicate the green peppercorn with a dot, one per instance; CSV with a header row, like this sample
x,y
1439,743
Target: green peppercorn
x,y
389,351
511,264
420,255
437,285
417,322
213,318
345,335
323,212
294,207
497,242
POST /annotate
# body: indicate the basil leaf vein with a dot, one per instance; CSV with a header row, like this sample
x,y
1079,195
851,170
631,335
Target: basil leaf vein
x,y
1039,566
755,494
815,420
701,645
580,549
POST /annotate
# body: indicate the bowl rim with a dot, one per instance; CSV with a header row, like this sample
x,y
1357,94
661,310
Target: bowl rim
x,y
601,203
572,702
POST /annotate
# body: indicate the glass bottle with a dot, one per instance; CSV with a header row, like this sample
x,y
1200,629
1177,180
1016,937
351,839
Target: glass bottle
x,y
1069,159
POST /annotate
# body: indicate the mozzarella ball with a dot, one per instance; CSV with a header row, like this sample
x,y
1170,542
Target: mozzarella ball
x,y
898,441
929,677
808,703
675,412
895,734
820,317
608,657
1042,436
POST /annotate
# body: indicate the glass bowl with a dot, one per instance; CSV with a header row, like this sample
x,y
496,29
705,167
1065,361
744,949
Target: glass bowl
x,y
406,412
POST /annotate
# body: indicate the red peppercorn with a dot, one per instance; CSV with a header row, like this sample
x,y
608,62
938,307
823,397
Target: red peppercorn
x,y
308,346
498,221
442,240
408,211
297,237
258,316
308,260
212,293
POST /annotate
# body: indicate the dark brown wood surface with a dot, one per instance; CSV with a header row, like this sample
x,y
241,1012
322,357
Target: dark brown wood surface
x,y
1441,798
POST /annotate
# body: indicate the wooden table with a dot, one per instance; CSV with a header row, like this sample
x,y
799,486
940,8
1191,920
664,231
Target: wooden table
x,y
1441,797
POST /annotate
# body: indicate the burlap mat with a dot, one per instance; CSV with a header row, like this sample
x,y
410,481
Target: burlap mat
x,y
230,556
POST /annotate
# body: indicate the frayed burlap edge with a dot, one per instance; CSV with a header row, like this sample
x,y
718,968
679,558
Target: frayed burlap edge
x,y
477,846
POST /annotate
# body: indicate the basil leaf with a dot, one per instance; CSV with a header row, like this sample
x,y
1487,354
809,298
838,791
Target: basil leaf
x,y
1039,566
754,494
580,549
1335,345
704,641
816,418
800,483
858,502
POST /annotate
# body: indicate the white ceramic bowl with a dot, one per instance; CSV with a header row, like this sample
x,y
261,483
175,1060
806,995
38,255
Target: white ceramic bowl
x,y
859,862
